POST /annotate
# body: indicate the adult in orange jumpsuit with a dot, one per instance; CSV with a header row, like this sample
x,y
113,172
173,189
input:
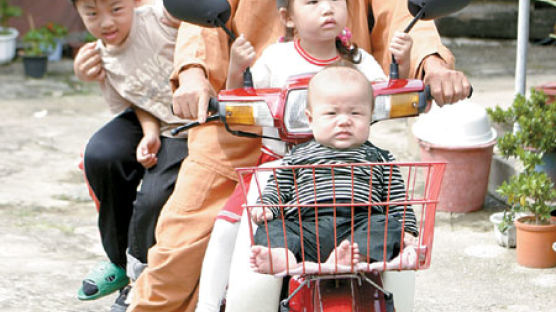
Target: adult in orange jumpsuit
x,y
207,177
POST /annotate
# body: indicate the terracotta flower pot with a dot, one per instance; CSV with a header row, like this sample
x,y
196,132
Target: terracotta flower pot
x,y
534,244
549,89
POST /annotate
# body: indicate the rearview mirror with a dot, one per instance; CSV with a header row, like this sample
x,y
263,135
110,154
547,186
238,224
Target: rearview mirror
x,y
205,13
435,8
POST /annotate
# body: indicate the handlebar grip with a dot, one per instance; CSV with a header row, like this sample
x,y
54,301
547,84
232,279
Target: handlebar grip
x,y
429,97
213,105
428,94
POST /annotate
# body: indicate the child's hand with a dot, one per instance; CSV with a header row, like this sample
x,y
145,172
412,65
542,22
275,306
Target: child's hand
x,y
87,65
147,149
400,47
259,214
242,55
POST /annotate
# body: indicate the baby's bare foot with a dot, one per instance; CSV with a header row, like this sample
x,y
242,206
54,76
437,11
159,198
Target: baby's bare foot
x,y
406,260
345,254
262,261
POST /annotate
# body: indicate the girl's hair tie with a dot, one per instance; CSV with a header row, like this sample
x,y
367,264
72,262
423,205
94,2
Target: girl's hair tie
x,y
345,38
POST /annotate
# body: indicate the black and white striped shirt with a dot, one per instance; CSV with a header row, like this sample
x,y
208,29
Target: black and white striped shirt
x,y
294,185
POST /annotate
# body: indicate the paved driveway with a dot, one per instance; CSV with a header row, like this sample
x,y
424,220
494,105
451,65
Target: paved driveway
x,y
48,233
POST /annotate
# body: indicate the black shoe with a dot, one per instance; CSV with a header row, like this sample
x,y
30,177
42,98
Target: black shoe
x,y
120,305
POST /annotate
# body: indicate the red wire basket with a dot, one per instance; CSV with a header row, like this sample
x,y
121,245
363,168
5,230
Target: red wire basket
x,y
422,182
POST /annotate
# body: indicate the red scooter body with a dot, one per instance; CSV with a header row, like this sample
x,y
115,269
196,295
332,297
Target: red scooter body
x,y
394,98
345,294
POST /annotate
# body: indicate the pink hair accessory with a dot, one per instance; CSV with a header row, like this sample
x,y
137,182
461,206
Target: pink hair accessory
x,y
345,37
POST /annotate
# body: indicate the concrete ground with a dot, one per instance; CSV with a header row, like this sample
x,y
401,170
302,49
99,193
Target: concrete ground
x,y
48,234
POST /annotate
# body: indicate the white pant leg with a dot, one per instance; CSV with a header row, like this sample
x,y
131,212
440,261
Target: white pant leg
x,y
216,266
402,285
247,290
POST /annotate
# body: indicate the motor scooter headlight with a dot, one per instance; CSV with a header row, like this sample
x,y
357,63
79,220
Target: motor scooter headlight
x,y
248,113
294,113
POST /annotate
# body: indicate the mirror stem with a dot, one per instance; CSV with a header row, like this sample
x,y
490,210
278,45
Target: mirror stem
x,y
226,29
247,77
415,19
394,74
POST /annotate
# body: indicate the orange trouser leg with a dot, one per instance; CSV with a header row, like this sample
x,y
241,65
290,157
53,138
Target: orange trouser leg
x,y
171,280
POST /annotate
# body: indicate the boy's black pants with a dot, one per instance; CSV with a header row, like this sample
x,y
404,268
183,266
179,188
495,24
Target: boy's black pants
x,y
127,216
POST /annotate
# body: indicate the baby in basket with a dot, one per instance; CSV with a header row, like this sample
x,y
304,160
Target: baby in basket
x,y
339,107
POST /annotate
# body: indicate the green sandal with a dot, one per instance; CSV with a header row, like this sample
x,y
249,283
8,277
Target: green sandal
x,y
107,277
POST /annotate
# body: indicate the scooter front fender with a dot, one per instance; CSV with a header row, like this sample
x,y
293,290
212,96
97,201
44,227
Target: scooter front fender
x,y
337,295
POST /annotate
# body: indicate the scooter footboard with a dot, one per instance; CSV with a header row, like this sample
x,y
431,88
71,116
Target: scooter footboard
x,y
387,225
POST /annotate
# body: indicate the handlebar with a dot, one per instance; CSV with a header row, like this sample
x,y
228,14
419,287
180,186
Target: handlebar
x,y
400,106
429,97
213,105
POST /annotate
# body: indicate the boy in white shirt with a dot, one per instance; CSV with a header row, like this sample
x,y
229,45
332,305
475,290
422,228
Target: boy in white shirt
x,y
135,53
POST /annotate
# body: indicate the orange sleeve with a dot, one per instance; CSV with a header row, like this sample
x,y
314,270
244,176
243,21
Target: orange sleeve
x,y
207,48
393,15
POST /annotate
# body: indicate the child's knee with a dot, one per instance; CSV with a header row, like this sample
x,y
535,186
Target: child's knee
x,y
224,233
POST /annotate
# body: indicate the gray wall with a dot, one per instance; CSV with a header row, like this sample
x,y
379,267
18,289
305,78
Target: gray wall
x,y
497,19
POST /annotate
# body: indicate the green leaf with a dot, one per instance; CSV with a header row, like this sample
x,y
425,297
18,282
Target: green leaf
x,y
529,191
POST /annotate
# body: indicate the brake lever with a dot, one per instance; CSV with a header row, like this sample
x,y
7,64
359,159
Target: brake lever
x,y
212,108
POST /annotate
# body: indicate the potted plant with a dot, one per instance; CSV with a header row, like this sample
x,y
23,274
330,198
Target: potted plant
x,y
531,191
8,35
504,231
59,33
38,42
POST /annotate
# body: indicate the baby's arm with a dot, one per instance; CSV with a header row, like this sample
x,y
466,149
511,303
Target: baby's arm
x,y
396,188
242,55
277,191
150,143
400,47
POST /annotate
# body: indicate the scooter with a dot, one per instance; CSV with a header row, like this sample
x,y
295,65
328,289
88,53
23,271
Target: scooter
x,y
332,289
353,289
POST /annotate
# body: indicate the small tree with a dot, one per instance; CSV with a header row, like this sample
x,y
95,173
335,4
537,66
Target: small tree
x,y
6,12
38,42
530,191
58,31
